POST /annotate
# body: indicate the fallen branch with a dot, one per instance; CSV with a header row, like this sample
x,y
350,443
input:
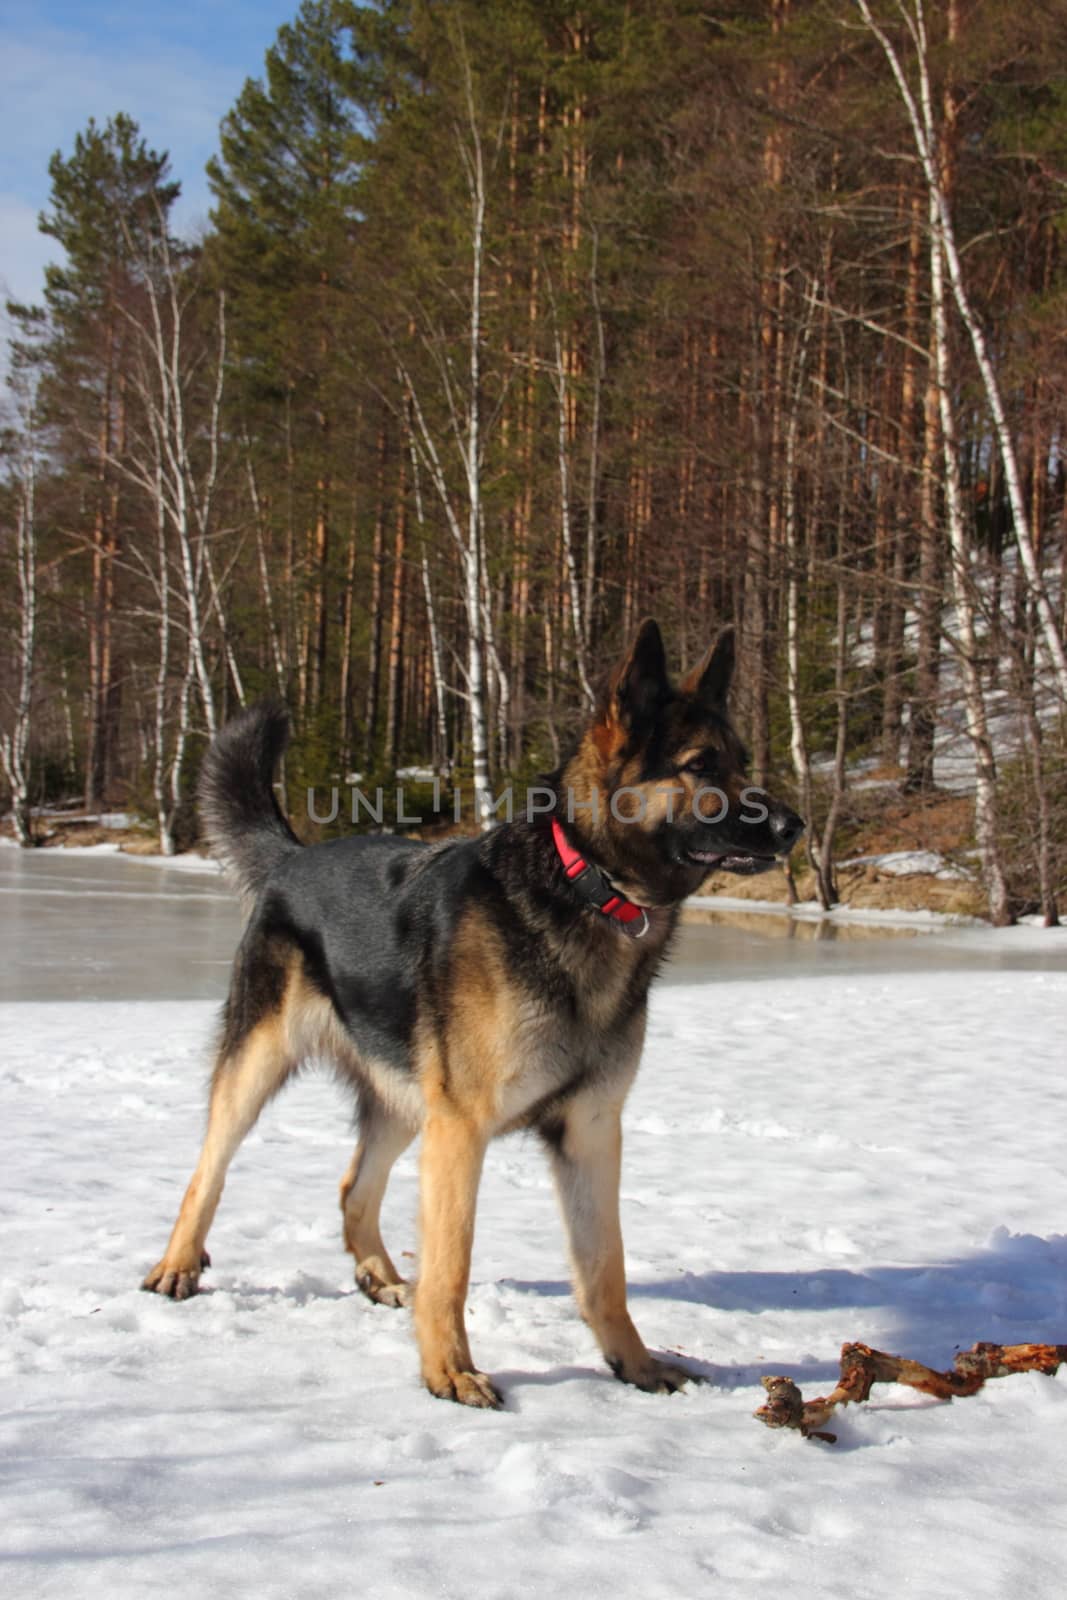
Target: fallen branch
x,y
862,1368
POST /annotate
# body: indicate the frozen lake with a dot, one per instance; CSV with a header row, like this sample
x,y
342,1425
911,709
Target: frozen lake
x,y
110,927
99,926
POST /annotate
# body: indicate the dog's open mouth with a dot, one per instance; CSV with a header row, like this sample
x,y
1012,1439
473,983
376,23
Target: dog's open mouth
x,y
731,861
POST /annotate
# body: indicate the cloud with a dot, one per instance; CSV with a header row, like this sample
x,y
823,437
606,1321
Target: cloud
x,y
24,250
52,84
175,70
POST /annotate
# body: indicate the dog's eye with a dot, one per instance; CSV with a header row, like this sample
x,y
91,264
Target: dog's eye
x,y
700,766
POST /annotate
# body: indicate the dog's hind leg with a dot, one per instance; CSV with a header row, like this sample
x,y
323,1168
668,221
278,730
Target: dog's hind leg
x,y
586,1152
246,1075
383,1136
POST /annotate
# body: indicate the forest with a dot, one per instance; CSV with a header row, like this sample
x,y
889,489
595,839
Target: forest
x,y
517,321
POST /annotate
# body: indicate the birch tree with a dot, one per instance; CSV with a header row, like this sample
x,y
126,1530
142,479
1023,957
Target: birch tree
x,y
437,669
579,611
924,130
174,445
15,735
464,517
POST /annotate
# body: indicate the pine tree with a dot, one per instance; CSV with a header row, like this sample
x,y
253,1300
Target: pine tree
x,y
107,196
285,220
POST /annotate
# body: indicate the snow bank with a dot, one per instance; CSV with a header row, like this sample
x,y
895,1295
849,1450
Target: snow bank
x,y
812,911
807,1161
908,864
189,862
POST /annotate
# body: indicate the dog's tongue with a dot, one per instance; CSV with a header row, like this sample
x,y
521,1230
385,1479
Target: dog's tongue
x,y
708,856
722,858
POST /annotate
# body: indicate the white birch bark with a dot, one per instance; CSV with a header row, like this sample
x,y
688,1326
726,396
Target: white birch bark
x,y
500,677
436,658
475,554
578,625
164,812
264,573
599,366
465,525
797,742
14,742
161,460
924,132
963,595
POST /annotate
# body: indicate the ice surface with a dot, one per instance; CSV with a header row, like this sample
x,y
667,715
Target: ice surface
x,y
93,924
815,1151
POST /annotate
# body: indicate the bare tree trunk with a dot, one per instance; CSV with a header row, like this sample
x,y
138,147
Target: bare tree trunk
x,y
500,677
825,859
467,532
923,719
985,801
164,374
14,744
319,611
436,659
348,610
755,582
475,553
894,689
1022,676
100,619
277,656
182,732
797,741
204,503
65,695
164,813
578,616
593,490
396,626
291,651
224,627
374,662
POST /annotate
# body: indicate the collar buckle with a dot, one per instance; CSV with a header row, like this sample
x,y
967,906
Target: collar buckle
x,y
596,888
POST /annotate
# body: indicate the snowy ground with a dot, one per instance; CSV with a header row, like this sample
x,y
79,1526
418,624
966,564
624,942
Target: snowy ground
x,y
866,1156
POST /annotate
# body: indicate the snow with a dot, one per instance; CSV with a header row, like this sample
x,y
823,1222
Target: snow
x,y
101,819
921,921
818,1156
908,864
189,862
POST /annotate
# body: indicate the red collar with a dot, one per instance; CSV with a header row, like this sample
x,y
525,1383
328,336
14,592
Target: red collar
x,y
595,886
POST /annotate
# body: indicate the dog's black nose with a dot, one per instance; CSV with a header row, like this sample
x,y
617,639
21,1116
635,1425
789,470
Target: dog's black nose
x,y
787,828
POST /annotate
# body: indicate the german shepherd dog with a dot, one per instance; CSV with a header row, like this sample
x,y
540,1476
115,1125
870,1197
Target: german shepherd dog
x,y
478,986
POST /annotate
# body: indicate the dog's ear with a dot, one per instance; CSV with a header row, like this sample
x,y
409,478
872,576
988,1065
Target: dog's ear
x,y
710,681
640,684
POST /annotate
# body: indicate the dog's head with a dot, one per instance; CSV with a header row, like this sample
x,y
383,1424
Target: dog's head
x,y
658,790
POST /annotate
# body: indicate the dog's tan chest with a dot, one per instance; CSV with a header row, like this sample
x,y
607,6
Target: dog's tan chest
x,y
512,1046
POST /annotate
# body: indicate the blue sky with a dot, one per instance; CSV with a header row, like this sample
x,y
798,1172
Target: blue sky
x,y
176,68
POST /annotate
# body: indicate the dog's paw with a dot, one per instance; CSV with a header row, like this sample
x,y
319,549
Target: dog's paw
x,y
653,1376
395,1295
467,1388
177,1279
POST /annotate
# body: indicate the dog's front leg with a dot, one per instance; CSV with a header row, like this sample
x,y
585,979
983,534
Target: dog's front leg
x,y
587,1162
453,1148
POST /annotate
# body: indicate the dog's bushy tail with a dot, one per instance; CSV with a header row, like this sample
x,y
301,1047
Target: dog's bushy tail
x,y
241,818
